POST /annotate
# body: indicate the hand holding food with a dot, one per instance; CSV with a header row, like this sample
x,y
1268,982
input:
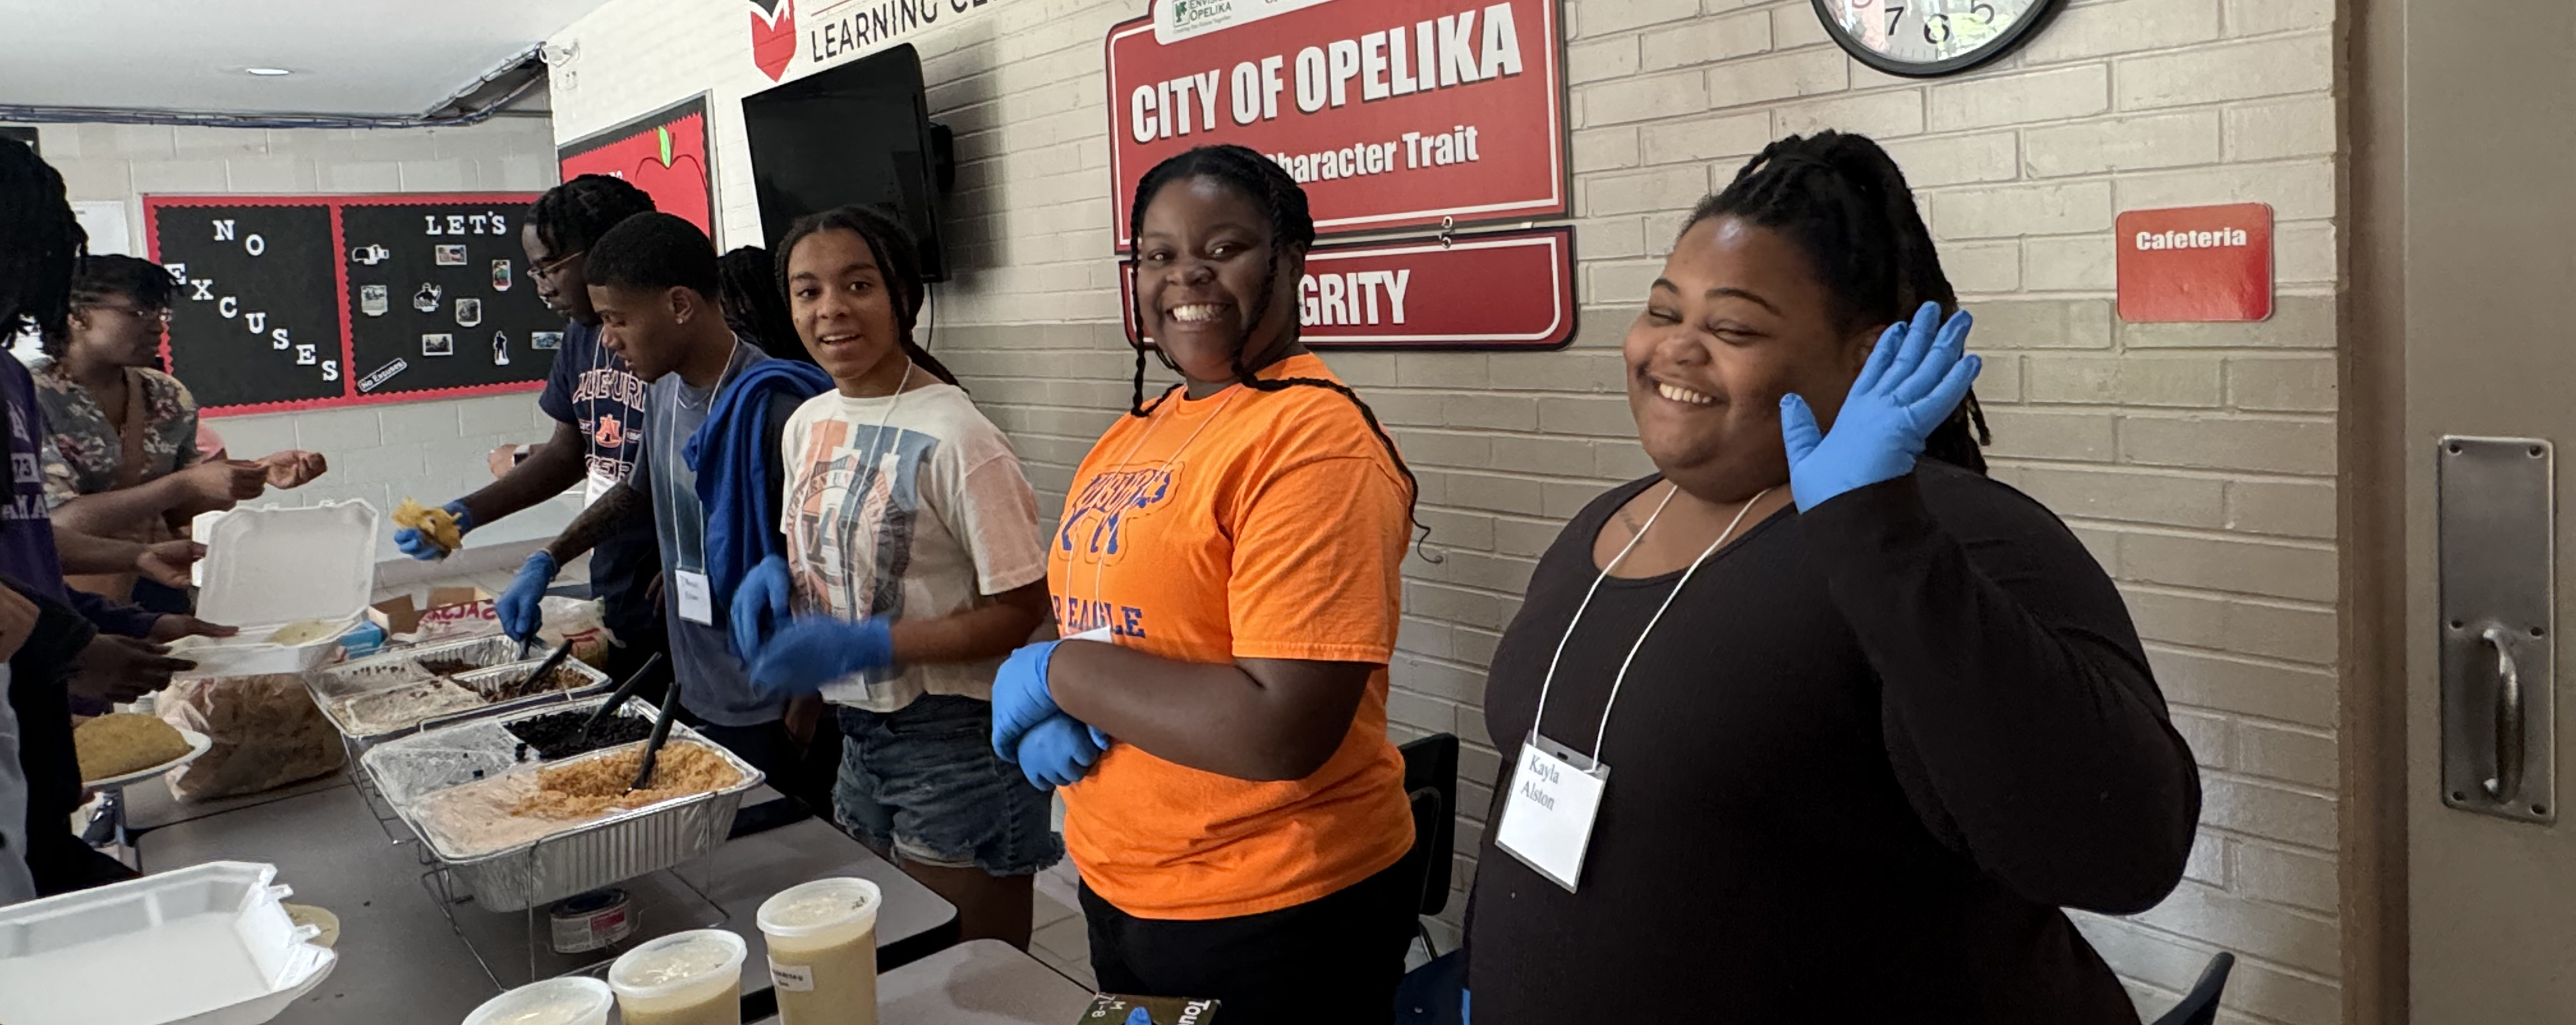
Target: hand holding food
x,y
221,484
431,534
293,469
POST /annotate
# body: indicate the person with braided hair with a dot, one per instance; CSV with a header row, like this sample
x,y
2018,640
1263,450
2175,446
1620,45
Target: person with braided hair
x,y
1889,715
913,563
1227,570
598,406
756,306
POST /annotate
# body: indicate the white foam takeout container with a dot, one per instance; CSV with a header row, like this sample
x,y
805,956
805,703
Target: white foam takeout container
x,y
271,567
205,945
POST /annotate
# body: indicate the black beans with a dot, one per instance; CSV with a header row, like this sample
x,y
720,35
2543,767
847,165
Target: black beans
x,y
553,736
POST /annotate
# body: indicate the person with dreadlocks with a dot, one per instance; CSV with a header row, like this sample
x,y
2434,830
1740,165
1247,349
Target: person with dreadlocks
x,y
1890,716
124,460
913,565
756,305
598,405
1228,568
81,646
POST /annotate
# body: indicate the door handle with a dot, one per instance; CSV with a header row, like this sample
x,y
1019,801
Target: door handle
x,y
2507,780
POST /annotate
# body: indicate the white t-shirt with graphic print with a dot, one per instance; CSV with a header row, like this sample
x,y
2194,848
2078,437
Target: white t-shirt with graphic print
x,y
927,519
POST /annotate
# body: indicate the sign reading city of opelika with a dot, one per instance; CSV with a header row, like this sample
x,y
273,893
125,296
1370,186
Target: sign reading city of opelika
x,y
1391,113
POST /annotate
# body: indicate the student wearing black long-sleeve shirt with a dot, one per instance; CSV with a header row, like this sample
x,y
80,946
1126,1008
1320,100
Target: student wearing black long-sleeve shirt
x,y
1894,716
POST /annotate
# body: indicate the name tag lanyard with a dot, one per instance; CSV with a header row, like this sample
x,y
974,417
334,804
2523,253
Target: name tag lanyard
x,y
1556,792
691,588
595,482
1100,567
874,678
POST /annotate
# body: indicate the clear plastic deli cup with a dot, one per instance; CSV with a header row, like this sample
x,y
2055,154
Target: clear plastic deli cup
x,y
823,951
568,1001
686,978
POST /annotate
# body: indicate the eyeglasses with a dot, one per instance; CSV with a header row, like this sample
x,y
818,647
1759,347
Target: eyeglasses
x,y
555,266
162,314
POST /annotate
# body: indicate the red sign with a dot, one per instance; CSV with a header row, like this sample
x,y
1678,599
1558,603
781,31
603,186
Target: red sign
x,y
1504,290
773,36
663,153
2196,263
1391,113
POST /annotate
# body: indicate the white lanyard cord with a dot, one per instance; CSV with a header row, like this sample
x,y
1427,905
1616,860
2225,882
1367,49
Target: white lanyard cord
x,y
662,483
1100,566
1617,681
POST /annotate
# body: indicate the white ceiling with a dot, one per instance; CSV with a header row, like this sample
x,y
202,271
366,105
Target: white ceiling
x,y
377,57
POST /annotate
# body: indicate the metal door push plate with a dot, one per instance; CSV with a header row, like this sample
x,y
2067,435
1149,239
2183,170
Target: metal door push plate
x,y
2496,516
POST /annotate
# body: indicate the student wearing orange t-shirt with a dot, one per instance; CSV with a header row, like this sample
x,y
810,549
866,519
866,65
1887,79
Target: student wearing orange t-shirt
x,y
1240,543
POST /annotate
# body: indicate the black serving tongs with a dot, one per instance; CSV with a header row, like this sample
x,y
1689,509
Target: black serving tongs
x,y
548,666
616,700
661,732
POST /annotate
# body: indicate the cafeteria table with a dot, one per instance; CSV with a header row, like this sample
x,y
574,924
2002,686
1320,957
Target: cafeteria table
x,y
401,959
985,982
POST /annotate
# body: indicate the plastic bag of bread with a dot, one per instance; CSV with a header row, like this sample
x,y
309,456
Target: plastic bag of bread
x,y
266,730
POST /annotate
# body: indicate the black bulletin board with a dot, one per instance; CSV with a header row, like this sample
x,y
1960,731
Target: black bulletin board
x,y
299,302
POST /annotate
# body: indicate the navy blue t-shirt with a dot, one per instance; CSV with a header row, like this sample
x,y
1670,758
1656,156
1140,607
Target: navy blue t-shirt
x,y
592,389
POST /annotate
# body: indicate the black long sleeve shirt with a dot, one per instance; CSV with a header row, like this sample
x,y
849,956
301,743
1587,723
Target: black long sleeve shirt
x,y
1854,774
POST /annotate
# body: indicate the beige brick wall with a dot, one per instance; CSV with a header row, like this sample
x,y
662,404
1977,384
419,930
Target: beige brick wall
x,y
2195,460
433,450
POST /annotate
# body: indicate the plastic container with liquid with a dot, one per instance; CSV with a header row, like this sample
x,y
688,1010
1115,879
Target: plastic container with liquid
x,y
823,951
565,1001
686,978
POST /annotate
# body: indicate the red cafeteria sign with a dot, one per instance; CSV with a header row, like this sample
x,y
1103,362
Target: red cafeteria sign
x,y
1505,290
2197,263
1391,113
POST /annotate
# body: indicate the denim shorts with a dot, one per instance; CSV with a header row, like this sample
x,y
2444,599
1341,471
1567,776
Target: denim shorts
x,y
924,783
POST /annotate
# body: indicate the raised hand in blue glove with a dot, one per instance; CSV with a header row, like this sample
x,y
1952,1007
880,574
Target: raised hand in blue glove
x,y
1914,379
1057,752
815,650
761,602
1139,1016
417,543
522,606
1021,699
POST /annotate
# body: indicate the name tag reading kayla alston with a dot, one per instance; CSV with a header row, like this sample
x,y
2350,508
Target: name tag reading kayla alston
x,y
1547,818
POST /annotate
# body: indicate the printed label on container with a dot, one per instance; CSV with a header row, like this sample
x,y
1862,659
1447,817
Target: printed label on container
x,y
790,978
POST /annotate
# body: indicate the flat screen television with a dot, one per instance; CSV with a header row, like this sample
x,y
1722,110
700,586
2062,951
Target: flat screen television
x,y
859,133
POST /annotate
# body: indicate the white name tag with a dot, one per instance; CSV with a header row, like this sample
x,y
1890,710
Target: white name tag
x,y
1103,635
697,597
595,485
1547,818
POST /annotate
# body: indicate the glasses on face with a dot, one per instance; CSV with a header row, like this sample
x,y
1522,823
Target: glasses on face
x,y
160,315
556,266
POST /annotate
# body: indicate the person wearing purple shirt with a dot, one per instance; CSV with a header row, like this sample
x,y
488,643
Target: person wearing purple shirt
x,y
81,646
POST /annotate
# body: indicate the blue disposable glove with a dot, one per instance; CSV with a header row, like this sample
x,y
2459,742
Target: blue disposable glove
x,y
1021,699
522,606
416,543
1464,1018
1915,378
1139,1016
759,603
815,650
1057,752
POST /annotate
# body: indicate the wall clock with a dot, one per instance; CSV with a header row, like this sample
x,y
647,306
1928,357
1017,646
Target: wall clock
x,y
1925,38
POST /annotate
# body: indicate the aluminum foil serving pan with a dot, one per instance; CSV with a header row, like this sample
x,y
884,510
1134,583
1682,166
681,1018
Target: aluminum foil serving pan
x,y
379,698
576,857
